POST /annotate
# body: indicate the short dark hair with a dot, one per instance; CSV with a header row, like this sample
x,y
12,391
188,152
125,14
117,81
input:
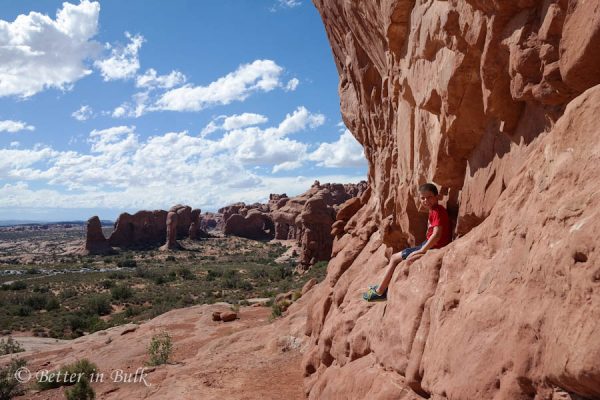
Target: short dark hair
x,y
428,187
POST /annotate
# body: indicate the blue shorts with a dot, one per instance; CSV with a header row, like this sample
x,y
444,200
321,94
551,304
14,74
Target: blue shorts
x,y
407,252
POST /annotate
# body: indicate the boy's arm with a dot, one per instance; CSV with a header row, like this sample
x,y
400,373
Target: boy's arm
x,y
437,234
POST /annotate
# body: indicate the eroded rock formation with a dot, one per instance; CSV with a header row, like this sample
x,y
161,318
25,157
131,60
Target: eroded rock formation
x,y
306,218
95,242
145,229
494,101
142,229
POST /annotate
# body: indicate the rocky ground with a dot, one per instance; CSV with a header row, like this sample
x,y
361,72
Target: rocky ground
x,y
252,357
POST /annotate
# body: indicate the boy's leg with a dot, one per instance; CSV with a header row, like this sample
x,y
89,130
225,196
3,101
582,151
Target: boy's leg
x,y
395,259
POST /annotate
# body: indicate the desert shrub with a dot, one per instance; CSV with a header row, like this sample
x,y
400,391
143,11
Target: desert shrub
x,y
127,263
160,348
83,367
68,293
32,271
10,346
41,289
245,285
117,275
260,273
98,305
212,275
185,274
170,258
131,311
82,390
276,310
9,385
107,284
16,285
142,272
52,304
121,292
279,272
36,301
296,295
23,311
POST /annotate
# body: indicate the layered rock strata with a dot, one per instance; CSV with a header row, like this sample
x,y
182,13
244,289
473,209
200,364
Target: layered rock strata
x,y
496,103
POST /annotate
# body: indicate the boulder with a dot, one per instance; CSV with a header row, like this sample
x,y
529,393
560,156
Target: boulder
x,y
227,316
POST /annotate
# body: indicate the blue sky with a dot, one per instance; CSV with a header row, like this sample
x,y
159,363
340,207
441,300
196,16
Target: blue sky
x,y
115,106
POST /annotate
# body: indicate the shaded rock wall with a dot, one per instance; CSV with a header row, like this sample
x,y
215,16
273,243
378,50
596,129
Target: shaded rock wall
x,y
486,99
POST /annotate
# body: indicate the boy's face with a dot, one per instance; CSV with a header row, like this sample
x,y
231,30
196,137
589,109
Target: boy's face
x,y
428,199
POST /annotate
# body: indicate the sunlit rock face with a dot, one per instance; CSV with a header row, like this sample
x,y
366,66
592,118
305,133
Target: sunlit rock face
x,y
496,102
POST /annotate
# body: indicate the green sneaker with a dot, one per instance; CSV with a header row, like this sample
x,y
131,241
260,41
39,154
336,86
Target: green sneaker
x,y
372,295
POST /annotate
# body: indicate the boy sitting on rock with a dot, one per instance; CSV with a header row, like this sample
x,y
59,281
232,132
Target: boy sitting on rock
x,y
438,235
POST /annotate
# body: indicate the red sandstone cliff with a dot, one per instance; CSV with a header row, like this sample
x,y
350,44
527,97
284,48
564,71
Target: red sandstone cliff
x,y
496,102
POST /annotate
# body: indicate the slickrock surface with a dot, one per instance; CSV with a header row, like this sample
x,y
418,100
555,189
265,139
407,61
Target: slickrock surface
x,y
495,102
247,358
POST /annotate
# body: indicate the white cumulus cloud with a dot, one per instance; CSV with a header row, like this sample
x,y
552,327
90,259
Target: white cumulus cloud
x,y
123,62
260,75
83,113
150,79
15,126
38,52
345,152
235,121
292,85
124,169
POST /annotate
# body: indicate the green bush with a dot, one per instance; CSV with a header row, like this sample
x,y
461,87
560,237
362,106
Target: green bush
x,y
160,348
83,366
10,346
212,275
16,285
121,292
68,293
117,275
23,311
127,263
107,284
276,310
37,301
82,390
98,305
185,274
52,304
9,385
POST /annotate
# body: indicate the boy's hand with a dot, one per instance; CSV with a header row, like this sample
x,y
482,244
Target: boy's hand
x,y
415,256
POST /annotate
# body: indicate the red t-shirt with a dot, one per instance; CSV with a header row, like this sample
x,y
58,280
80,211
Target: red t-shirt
x,y
438,216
